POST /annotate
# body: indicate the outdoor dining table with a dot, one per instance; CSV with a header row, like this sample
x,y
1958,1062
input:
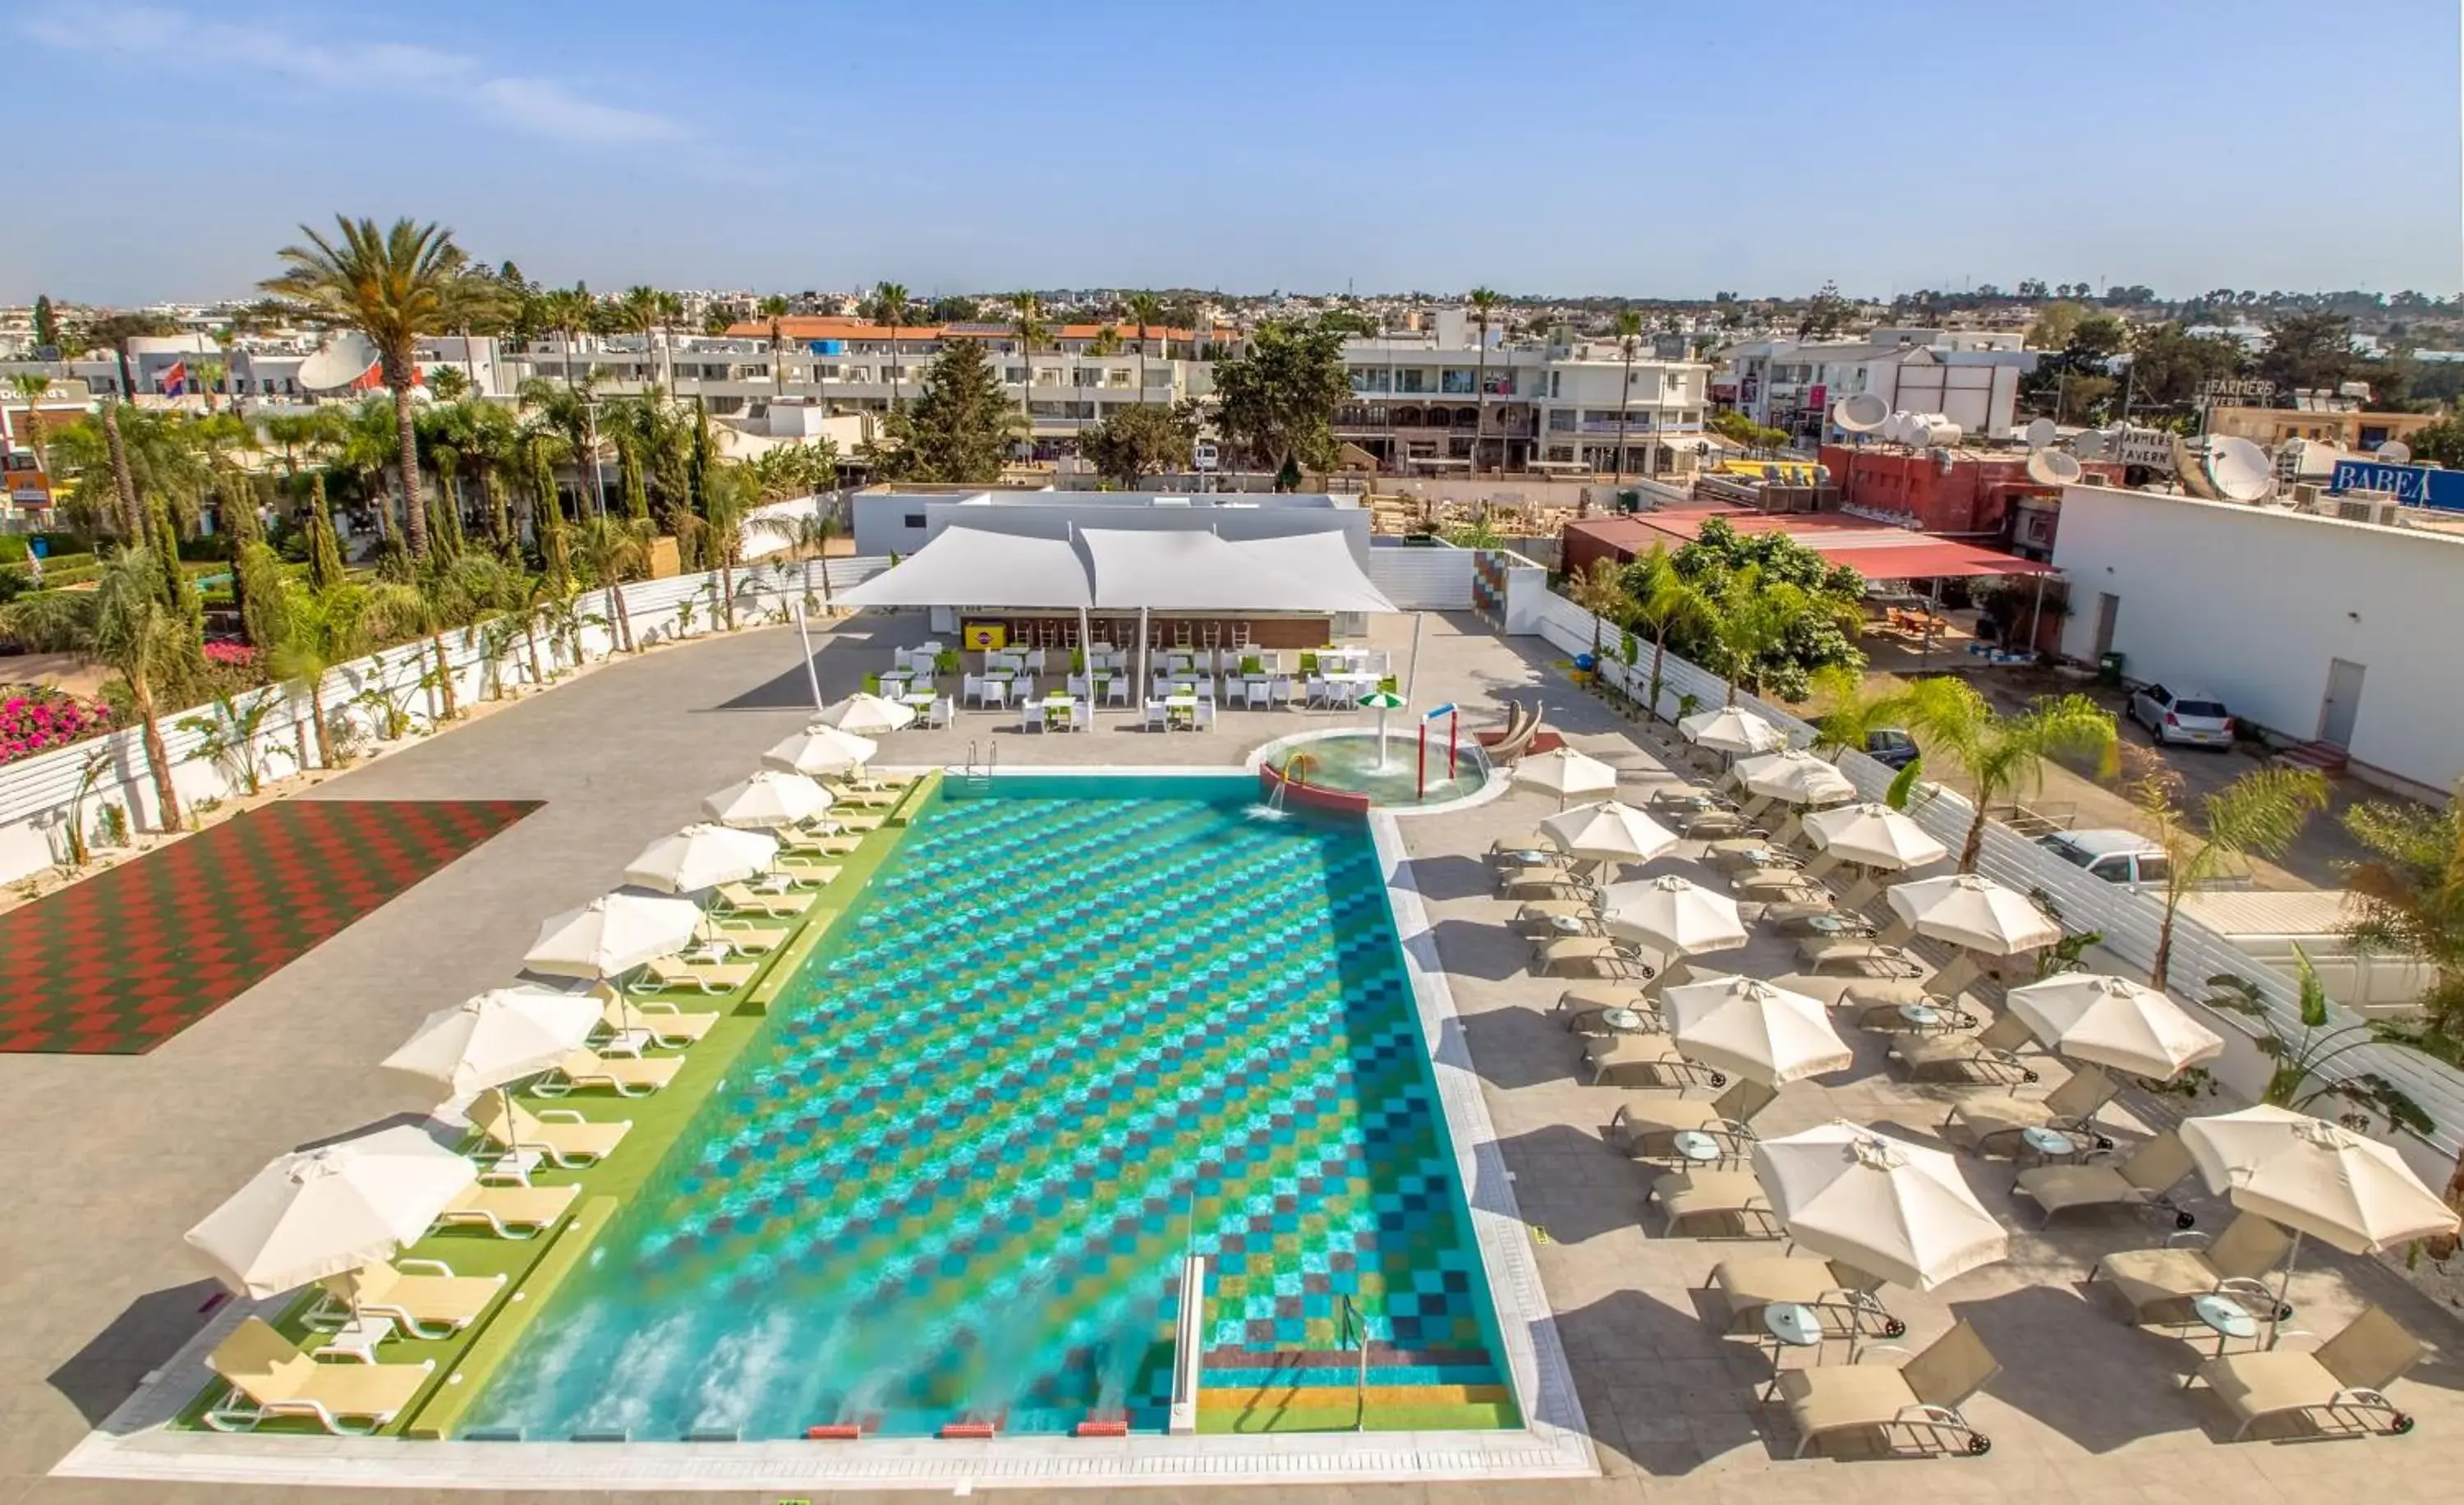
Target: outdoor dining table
x,y
1180,709
1058,708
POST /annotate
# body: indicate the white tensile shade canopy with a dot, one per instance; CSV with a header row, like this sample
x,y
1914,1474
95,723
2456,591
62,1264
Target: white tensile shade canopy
x,y
614,934
1674,915
320,1212
2112,1020
2315,1178
768,798
822,748
1896,1210
1166,569
1565,772
1873,835
500,1036
1745,1025
702,856
867,714
1795,777
1607,832
1730,730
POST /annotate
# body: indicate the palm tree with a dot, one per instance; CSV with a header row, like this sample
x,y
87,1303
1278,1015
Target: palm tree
x,y
1026,321
392,286
774,308
569,311
609,551
2256,815
1485,304
727,503
125,623
1852,709
369,444
1752,618
640,311
672,318
324,627
889,307
1629,337
1145,311
1664,602
209,376
1599,590
31,388
2004,755
572,411
477,303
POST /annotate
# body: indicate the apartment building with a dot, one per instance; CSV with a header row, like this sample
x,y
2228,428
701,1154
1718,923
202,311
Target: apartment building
x,y
1971,375
1423,404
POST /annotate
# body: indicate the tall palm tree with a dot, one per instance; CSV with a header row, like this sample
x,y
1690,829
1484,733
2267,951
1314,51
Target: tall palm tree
x,y
32,387
125,623
639,310
2004,755
478,304
1145,311
572,411
1485,304
728,498
1629,337
1664,602
371,443
774,309
889,307
1026,321
569,311
672,318
609,551
392,286
2256,815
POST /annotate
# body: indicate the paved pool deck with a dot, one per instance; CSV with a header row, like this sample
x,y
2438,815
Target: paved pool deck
x,y
108,1159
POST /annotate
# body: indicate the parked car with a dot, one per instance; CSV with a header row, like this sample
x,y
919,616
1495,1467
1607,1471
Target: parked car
x,y
1891,747
2117,856
2192,717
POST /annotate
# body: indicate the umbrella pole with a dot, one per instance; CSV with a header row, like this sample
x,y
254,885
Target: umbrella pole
x,y
1381,739
2283,1290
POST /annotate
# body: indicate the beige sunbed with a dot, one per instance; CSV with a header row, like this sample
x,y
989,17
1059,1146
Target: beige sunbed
x,y
270,1376
1993,1125
627,1076
1914,1406
2158,1285
860,798
812,844
1540,917
1545,883
744,899
508,1211
1840,1294
1715,1203
424,1297
747,937
1775,884
2139,1180
1984,1059
661,1022
560,1135
1590,955
1868,957
670,975
1645,1128
1645,1061
2337,1389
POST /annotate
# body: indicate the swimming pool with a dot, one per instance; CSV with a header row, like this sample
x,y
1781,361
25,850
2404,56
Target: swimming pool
x,y
1076,1028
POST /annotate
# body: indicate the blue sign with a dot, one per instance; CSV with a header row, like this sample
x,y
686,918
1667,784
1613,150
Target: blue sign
x,y
2413,485
822,347
1447,709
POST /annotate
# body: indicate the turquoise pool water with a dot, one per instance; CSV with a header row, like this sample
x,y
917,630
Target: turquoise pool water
x,y
1395,774
1077,1026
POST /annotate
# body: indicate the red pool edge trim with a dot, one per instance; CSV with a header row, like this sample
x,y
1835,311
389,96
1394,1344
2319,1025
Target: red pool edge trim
x,y
1115,1427
969,1432
835,1431
1341,801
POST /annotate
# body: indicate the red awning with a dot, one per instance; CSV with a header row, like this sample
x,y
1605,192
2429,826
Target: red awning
x,y
1926,559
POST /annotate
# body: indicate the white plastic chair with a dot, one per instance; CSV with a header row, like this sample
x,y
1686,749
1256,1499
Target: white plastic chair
x,y
1158,716
1116,689
1082,715
995,692
1077,687
971,687
1205,717
1035,660
1279,689
1023,688
941,712
1319,692
1255,692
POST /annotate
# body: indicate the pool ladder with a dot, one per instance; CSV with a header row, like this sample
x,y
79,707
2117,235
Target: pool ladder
x,y
979,770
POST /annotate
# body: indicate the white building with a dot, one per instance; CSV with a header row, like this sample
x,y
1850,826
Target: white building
x,y
2314,628
1972,376
1443,403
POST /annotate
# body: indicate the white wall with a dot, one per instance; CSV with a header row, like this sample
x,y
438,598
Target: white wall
x,y
2251,603
1435,577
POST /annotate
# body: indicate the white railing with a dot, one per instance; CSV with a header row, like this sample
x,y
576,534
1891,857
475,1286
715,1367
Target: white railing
x,y
35,793
1434,578
2130,921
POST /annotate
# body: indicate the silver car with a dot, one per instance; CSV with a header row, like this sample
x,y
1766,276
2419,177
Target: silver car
x,y
2191,717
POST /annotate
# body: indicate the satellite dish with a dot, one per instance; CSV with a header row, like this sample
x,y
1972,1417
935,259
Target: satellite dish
x,y
2040,432
2395,451
1860,413
337,363
2051,467
2223,468
2089,444
1931,431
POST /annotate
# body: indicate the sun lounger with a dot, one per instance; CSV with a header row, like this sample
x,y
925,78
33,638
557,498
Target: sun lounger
x,y
1714,1203
2158,1285
1871,957
861,798
627,1076
657,1020
671,974
2337,1389
508,1211
800,872
560,1136
1802,918
1546,883
747,936
1590,956
1879,1001
1841,1296
1993,1125
1741,855
270,1376
2138,1179
1968,1060
839,821
1643,1062
1646,1128
809,844
1540,917
424,1297
743,900
1912,1407
1584,1009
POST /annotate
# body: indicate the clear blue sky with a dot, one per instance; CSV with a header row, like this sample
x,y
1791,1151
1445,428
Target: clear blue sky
x,y
1635,146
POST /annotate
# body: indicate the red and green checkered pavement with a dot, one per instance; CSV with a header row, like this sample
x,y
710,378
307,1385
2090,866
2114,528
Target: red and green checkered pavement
x,y
120,962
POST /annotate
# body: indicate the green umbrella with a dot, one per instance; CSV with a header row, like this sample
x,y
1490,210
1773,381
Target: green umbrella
x,y
1384,700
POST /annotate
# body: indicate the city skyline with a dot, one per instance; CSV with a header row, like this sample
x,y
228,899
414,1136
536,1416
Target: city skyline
x,y
957,149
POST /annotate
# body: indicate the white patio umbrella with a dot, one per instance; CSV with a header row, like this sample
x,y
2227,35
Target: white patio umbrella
x,y
1730,730
1382,702
768,798
1745,1025
1792,777
1673,915
1974,913
1607,832
702,856
1872,834
821,748
614,934
320,1212
1896,1210
497,1039
2115,1022
867,714
1565,772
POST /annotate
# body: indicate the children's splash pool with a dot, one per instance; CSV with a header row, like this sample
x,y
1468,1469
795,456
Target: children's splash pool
x,y
1076,1028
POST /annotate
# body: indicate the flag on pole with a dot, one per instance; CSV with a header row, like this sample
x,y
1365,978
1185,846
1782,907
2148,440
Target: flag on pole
x,y
175,381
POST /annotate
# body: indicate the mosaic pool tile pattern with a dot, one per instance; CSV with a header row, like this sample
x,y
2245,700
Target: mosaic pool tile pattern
x,y
1077,1028
129,958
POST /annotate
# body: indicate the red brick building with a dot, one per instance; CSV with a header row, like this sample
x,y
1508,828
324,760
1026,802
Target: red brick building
x,y
1969,497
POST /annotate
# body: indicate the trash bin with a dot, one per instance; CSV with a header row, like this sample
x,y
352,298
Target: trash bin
x,y
2108,670
1629,501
